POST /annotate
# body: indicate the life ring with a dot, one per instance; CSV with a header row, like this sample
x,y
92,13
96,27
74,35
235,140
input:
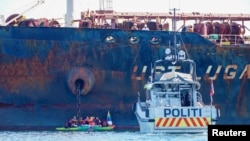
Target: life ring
x,y
82,79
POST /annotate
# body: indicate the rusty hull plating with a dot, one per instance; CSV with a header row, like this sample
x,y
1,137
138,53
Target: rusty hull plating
x,y
39,68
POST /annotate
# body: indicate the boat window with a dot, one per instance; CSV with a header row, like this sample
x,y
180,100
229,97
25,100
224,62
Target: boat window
x,y
134,40
173,87
155,40
110,39
186,98
160,87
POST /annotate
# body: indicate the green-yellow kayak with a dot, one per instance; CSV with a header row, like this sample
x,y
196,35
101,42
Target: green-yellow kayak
x,y
86,128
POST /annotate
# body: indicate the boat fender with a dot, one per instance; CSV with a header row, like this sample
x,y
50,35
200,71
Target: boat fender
x,y
83,76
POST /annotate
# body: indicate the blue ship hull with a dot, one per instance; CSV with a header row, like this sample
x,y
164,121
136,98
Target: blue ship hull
x,y
39,67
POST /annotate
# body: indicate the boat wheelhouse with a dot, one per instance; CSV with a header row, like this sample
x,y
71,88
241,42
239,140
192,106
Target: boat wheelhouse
x,y
173,102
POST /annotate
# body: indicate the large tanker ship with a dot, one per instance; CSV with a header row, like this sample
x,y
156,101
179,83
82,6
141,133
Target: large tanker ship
x,y
41,64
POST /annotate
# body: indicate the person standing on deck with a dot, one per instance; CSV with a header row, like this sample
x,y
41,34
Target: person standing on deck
x,y
145,27
134,27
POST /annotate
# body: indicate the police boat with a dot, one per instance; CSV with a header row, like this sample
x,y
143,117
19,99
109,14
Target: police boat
x,y
173,103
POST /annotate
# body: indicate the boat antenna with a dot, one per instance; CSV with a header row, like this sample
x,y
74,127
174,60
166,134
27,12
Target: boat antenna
x,y
174,31
174,19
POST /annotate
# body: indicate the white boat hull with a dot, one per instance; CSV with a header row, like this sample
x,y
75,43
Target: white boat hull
x,y
151,121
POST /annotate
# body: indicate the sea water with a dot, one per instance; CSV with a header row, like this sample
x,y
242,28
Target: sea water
x,y
96,136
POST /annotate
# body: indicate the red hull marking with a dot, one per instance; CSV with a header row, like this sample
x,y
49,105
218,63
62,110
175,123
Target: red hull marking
x,y
172,122
159,122
165,122
178,122
193,122
186,121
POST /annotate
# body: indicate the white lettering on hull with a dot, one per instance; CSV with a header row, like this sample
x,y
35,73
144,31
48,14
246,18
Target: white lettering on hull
x,y
229,73
190,112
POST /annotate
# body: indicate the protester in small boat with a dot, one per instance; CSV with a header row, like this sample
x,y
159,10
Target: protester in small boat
x,y
87,120
73,121
92,121
67,124
97,121
81,121
104,123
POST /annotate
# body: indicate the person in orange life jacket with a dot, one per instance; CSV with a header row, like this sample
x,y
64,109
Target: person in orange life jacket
x,y
91,120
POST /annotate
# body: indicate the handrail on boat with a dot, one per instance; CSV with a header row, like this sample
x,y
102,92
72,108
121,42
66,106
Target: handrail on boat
x,y
229,40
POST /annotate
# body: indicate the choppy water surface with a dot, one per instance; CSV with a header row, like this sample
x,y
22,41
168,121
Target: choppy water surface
x,y
96,136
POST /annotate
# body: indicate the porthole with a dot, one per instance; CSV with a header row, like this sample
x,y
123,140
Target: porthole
x,y
155,40
134,40
110,39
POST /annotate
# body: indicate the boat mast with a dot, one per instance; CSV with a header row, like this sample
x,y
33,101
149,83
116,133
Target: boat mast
x,y
174,31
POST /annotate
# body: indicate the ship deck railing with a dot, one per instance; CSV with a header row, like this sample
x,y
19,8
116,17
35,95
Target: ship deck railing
x,y
229,40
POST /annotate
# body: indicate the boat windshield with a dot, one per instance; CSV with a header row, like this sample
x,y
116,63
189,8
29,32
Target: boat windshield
x,y
180,66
